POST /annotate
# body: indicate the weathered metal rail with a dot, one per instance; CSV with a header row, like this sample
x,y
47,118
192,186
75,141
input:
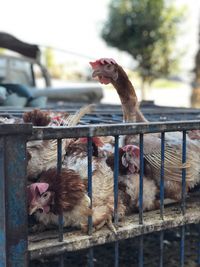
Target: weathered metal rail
x,y
111,129
13,204
47,243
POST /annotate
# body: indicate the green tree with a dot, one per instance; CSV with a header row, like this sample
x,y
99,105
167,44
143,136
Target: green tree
x,y
147,30
49,58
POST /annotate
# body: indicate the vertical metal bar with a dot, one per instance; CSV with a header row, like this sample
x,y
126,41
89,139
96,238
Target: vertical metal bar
x,y
90,182
61,260
141,251
16,201
182,246
116,254
2,204
198,245
59,167
116,174
90,257
161,248
162,175
183,173
141,180
59,155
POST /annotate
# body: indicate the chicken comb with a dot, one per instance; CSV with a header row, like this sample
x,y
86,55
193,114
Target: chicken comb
x,y
96,140
132,148
35,188
102,61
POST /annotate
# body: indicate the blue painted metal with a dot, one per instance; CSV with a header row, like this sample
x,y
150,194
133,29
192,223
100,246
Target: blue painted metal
x,y
162,175
90,257
59,155
111,129
13,222
90,181
116,254
60,217
141,180
116,174
2,204
182,246
59,167
61,260
16,201
161,248
198,245
141,251
183,173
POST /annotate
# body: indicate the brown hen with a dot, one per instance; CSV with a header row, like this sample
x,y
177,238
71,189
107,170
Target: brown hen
x,y
108,71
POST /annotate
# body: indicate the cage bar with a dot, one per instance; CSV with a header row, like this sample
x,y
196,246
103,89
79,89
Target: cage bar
x,y
116,174
183,173
141,180
13,207
141,251
116,254
3,253
89,142
91,257
59,167
182,246
162,175
161,248
61,260
198,245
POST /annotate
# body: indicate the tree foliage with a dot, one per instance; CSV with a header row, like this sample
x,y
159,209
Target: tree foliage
x,y
49,57
147,30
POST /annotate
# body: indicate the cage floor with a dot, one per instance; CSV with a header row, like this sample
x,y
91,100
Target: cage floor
x,y
46,243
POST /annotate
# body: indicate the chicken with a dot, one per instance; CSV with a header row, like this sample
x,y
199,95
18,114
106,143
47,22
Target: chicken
x,y
42,154
10,120
108,71
102,181
129,180
55,193
37,117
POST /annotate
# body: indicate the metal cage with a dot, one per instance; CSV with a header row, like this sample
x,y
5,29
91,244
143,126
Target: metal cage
x,y
18,248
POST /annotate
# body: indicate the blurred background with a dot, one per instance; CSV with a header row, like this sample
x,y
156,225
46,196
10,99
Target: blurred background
x,y
156,41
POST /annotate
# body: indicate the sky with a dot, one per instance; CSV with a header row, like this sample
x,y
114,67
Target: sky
x,y
74,25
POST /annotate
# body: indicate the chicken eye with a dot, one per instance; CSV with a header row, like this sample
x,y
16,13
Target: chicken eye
x,y
108,66
45,195
124,160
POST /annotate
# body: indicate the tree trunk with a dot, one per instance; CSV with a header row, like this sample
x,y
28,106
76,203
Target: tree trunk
x,y
143,90
195,97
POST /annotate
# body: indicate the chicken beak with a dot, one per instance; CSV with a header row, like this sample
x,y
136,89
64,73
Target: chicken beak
x,y
96,73
102,73
33,209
